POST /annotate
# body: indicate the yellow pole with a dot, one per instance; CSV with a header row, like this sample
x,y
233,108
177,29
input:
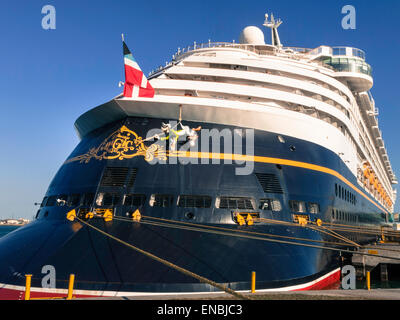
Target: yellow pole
x,y
70,286
28,286
253,282
368,280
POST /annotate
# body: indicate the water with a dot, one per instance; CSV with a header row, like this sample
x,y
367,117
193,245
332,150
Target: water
x,y
393,271
377,284
7,229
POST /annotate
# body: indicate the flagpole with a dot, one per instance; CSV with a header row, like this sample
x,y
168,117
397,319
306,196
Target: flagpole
x,y
122,36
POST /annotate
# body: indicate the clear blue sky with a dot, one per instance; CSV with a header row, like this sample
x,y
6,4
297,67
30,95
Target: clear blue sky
x,y
49,77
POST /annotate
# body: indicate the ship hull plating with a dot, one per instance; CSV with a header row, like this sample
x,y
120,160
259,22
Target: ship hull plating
x,y
105,267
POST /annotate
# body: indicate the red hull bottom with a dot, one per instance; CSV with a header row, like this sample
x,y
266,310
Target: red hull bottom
x,y
329,281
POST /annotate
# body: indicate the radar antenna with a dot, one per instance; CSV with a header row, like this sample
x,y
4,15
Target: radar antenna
x,y
274,29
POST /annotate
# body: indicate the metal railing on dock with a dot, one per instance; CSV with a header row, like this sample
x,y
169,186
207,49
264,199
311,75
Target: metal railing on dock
x,y
28,283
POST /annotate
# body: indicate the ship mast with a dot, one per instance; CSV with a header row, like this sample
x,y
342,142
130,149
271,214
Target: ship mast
x,y
273,25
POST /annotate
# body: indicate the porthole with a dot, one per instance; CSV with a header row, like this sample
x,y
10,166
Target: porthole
x,y
189,215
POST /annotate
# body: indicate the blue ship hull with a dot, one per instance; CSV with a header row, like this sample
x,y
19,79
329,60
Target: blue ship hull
x,y
105,267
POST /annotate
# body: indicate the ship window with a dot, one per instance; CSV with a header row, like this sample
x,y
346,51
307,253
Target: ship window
x,y
235,203
313,208
335,60
220,66
74,200
161,200
134,200
44,201
276,205
270,204
265,204
297,206
191,201
108,199
237,67
51,201
336,189
88,199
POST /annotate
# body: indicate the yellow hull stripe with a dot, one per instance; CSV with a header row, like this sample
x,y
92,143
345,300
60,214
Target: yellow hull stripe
x,y
286,162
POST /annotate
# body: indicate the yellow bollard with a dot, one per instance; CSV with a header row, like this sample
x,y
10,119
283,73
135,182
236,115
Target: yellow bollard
x,y
253,282
70,286
383,235
28,286
368,280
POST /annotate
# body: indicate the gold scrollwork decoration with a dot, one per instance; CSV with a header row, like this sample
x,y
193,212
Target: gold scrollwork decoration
x,y
122,144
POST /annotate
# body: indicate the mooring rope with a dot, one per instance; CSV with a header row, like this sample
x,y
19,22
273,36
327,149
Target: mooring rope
x,y
169,264
249,236
197,225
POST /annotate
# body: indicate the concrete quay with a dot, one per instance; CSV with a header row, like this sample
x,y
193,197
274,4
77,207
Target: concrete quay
x,y
358,294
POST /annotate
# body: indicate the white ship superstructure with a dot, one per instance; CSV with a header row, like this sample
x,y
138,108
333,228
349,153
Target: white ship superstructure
x,y
319,95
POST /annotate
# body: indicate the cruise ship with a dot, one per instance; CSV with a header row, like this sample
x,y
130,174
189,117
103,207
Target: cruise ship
x,y
242,152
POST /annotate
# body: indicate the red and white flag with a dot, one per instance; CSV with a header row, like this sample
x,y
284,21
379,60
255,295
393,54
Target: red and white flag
x,y
136,83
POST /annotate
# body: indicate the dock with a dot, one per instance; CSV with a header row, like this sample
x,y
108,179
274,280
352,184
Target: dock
x,y
366,263
358,294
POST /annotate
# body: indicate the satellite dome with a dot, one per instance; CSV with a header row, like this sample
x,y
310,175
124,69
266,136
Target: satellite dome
x,y
252,35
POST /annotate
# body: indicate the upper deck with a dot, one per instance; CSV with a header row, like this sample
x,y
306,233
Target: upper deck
x,y
348,63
